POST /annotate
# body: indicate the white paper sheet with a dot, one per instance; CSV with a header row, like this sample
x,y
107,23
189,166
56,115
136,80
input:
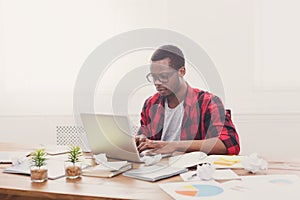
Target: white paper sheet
x,y
14,157
102,159
187,159
249,188
193,190
222,174
264,187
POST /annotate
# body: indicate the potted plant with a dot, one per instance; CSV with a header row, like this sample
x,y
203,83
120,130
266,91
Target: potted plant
x,y
38,168
73,165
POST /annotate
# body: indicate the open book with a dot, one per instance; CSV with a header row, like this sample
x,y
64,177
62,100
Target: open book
x,y
102,171
55,168
154,172
10,156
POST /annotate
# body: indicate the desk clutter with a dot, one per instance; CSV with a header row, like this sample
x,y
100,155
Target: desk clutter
x,y
55,168
248,187
106,169
154,172
203,176
55,164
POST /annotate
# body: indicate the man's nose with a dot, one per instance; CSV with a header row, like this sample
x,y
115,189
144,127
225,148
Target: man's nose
x,y
157,82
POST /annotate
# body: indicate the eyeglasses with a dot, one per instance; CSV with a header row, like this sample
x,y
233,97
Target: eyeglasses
x,y
162,77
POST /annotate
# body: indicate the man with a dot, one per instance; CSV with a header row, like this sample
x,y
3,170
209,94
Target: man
x,y
179,117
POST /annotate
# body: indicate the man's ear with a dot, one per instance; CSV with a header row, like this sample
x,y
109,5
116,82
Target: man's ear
x,y
181,71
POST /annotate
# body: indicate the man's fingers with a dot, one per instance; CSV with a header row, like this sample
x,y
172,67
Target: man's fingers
x,y
142,146
152,152
137,139
148,144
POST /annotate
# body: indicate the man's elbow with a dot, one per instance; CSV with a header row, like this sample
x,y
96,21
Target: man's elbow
x,y
235,150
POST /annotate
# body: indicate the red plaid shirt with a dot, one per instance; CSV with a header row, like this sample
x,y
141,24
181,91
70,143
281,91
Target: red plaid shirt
x,y
204,117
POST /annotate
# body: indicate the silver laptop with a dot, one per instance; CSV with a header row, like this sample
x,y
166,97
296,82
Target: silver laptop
x,y
112,135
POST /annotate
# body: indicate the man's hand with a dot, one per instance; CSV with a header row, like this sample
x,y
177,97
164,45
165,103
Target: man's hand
x,y
208,146
162,147
139,139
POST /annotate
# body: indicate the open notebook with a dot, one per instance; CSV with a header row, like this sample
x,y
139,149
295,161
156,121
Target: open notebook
x,y
104,172
55,167
154,172
9,156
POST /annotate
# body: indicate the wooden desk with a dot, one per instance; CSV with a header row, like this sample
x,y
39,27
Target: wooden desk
x,y
13,186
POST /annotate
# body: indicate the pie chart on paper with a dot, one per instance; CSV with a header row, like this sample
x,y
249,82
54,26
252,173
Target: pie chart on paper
x,y
197,190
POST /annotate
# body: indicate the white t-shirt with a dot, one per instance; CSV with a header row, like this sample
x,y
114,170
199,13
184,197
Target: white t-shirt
x,y
172,122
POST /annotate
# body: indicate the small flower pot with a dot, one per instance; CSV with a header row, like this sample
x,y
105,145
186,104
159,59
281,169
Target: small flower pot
x,y
73,170
38,174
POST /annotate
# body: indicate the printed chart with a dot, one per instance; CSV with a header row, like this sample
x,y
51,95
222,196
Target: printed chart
x,y
197,190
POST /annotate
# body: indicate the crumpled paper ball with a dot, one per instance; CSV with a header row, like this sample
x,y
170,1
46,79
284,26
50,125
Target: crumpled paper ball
x,y
254,164
205,171
151,160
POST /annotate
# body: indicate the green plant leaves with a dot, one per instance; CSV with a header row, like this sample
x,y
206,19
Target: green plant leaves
x,y
74,154
39,158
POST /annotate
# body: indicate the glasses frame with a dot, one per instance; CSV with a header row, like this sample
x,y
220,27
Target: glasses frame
x,y
152,78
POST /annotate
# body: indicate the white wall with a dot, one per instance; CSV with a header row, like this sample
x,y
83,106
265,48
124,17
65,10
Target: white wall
x,y
253,44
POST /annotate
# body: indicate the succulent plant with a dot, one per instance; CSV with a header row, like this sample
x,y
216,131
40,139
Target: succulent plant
x,y
74,154
39,158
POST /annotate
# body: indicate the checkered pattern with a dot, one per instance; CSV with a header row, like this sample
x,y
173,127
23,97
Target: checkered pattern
x,y
69,135
204,117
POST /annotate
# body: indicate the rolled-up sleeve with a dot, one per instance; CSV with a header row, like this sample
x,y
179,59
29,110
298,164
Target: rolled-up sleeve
x,y
219,124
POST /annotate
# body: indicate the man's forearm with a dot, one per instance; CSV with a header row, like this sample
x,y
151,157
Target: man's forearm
x,y
209,146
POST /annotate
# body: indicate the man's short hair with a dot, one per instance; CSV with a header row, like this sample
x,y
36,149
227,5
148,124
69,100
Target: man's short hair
x,y
172,52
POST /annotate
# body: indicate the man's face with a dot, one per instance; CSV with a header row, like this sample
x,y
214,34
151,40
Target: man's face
x,y
165,78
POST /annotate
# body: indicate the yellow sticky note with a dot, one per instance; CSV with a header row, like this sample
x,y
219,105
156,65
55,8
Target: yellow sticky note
x,y
228,160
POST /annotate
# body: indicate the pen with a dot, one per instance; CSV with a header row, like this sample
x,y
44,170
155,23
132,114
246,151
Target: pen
x,y
192,176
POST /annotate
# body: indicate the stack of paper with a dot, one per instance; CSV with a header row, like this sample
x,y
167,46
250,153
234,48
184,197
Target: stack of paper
x,y
55,168
154,172
249,187
10,156
188,159
106,168
103,171
222,174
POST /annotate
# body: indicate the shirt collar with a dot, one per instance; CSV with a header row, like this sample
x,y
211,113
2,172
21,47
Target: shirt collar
x,y
190,98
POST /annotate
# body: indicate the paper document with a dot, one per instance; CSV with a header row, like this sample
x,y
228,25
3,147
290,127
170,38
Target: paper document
x,y
11,156
195,158
188,159
55,149
154,172
102,171
194,190
56,168
249,188
222,174
225,161
285,166
101,159
264,186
